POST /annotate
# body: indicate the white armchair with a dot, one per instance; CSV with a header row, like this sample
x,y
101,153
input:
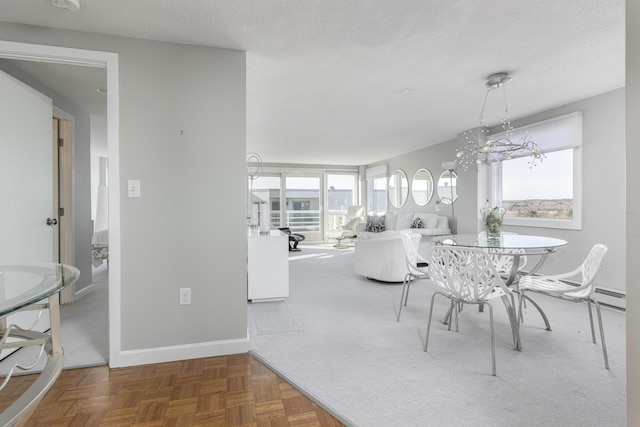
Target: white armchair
x,y
349,229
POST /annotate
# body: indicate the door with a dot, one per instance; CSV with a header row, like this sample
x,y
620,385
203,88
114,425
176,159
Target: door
x,y
26,172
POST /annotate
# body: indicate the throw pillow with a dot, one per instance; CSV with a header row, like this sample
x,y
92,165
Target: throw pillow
x,y
429,220
375,224
417,223
390,220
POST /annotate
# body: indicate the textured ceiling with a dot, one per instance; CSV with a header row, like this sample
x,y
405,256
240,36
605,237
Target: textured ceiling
x,y
327,80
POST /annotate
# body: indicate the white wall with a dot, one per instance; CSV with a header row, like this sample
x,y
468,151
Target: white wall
x,y
633,211
603,189
430,158
182,134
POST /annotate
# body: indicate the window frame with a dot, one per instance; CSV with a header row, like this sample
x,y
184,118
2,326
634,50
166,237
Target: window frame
x,y
495,184
371,175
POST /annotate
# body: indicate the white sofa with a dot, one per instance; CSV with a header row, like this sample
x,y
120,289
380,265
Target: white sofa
x,y
380,255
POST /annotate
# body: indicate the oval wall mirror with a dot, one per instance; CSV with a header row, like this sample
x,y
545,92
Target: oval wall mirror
x,y
398,188
448,187
422,187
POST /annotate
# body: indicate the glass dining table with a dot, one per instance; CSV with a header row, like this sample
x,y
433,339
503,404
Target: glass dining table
x,y
33,287
516,246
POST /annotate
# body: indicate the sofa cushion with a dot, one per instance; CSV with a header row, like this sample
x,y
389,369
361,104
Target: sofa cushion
x,y
375,224
417,223
404,220
429,220
390,221
443,222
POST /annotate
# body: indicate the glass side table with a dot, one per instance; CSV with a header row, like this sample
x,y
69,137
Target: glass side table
x,y
32,287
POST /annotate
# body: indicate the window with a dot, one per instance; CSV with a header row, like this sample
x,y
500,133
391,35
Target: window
x,y
265,189
376,189
377,195
547,194
341,193
302,203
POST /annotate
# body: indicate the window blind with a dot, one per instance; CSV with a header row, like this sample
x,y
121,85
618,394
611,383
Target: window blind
x,y
559,133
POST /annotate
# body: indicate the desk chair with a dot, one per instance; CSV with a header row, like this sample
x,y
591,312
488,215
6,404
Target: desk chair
x,y
294,239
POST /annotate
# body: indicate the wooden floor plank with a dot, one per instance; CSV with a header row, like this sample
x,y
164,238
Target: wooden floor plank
x,y
226,391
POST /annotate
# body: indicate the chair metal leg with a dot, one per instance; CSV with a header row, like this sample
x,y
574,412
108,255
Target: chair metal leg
x,y
403,298
535,304
604,344
406,296
447,316
450,314
512,312
426,340
493,341
456,314
593,332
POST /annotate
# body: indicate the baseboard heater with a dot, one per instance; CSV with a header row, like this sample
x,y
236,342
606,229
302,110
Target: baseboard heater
x,y
610,293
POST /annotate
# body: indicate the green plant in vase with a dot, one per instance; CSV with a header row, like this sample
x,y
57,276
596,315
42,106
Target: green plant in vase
x,y
492,220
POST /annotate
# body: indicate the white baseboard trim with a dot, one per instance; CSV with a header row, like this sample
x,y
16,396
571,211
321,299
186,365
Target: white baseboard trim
x,y
84,291
180,352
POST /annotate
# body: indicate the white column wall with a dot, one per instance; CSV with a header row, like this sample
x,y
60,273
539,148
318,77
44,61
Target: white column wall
x,y
633,211
182,115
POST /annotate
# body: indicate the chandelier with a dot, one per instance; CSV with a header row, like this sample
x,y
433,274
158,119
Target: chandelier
x,y
482,148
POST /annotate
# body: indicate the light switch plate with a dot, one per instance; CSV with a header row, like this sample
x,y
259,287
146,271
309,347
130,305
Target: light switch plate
x,y
133,188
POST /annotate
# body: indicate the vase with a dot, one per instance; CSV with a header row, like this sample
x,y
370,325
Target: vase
x,y
492,220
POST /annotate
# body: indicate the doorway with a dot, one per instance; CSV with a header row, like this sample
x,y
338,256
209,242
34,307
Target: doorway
x,y
108,61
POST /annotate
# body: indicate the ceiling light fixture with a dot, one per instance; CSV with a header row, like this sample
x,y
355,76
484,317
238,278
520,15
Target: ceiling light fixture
x,y
482,148
70,5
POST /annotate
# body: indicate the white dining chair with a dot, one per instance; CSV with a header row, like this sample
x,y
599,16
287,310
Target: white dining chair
x,y
417,266
503,260
468,276
577,285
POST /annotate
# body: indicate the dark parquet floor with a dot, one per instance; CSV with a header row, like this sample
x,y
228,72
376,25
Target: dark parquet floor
x,y
234,390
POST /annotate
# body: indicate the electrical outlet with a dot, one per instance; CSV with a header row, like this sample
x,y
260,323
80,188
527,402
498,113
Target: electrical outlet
x,y
185,296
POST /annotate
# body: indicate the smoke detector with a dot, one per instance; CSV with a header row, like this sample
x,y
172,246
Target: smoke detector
x,y
70,5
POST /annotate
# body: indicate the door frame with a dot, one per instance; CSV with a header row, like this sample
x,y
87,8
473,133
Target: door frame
x,y
109,61
63,194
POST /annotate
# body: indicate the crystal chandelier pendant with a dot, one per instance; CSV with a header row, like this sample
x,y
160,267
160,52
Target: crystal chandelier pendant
x,y
482,148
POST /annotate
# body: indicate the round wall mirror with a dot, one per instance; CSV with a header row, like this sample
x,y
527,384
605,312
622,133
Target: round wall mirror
x,y
398,188
448,187
422,187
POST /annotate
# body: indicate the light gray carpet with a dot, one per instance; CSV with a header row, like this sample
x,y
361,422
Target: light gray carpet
x,y
348,352
84,329
273,318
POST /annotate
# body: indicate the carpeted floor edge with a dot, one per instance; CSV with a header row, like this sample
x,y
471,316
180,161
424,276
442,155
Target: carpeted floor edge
x,y
302,390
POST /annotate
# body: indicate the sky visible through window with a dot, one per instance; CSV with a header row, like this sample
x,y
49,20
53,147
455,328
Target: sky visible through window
x,y
551,179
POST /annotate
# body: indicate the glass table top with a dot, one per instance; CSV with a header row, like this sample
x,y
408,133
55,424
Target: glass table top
x,y
505,241
23,285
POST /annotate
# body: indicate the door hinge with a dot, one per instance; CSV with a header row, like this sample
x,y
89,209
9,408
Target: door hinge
x,y
60,142
60,211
